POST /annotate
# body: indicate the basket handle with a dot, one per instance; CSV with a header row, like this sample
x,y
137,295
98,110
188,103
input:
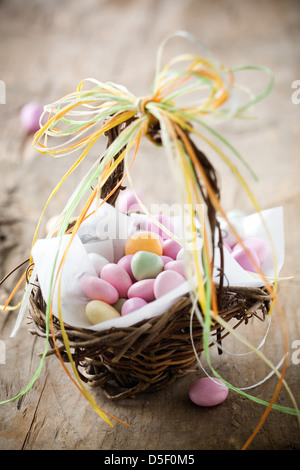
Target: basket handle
x,y
154,135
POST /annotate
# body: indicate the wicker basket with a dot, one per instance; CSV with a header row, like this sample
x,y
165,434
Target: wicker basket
x,y
148,355
151,354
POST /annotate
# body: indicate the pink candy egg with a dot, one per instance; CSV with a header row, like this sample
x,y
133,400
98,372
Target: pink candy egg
x,y
166,281
126,199
132,304
166,259
257,244
205,392
171,248
117,277
176,265
244,260
163,220
125,263
30,115
143,289
98,289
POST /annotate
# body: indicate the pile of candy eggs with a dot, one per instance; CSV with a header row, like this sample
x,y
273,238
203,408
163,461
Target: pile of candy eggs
x,y
150,268
250,253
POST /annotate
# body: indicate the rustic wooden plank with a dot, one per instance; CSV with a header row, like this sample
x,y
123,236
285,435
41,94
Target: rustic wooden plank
x,y
48,47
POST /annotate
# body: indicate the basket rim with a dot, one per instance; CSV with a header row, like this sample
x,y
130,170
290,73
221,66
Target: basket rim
x,y
260,294
149,355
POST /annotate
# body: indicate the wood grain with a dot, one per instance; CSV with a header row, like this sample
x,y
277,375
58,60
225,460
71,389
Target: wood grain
x,y
46,49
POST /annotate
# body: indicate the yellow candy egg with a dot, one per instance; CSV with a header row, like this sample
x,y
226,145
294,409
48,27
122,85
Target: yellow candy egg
x,y
143,241
98,311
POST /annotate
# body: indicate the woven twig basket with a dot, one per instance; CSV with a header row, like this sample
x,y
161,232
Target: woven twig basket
x,y
151,354
148,355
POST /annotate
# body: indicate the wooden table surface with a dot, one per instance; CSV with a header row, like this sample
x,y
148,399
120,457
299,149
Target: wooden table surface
x,y
46,49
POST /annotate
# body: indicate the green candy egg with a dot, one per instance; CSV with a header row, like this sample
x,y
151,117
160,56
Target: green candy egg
x,y
146,265
118,305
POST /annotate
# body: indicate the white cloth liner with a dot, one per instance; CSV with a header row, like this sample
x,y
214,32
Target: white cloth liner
x,y
106,233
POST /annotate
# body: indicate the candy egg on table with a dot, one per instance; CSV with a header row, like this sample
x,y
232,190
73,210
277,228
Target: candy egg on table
x,y
125,263
151,226
30,116
244,260
166,281
98,311
208,392
146,265
98,262
132,304
98,289
143,289
115,275
127,199
143,241
171,248
259,245
176,265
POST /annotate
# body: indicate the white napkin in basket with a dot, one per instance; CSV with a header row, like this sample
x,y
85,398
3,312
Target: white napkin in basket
x,y
106,233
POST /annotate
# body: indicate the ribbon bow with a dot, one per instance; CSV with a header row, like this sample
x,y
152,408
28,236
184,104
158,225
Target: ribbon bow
x,y
79,119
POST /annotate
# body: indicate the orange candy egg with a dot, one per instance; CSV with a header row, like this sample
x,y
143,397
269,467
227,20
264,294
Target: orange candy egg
x,y
143,241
